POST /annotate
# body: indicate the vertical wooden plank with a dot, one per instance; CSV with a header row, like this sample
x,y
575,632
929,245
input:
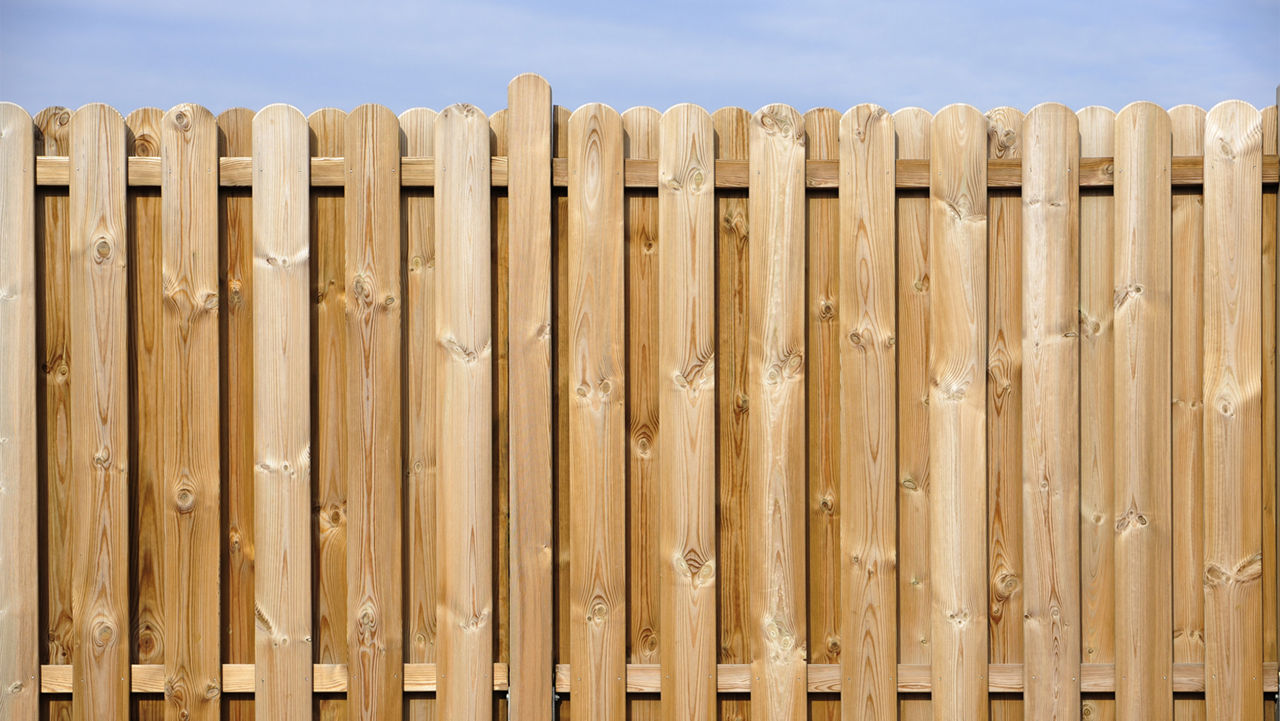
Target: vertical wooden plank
x,y
417,127
1187,421
499,211
1270,142
957,412
19,569
99,414
687,398
912,128
868,377
529,319
235,212
189,413
1050,419
282,416
640,132
560,309
1097,439
1144,623
732,240
597,432
776,384
465,387
1233,420
329,403
1004,409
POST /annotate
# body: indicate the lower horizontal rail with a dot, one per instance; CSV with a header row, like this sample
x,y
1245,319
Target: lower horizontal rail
x,y
646,678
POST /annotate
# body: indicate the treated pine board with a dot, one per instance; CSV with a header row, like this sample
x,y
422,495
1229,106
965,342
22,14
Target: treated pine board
x,y
1004,408
776,385
1270,141
640,131
373,421
464,535
597,412
560,308
1233,418
1142,503
99,414
868,378
687,405
912,131
189,411
499,215
1187,414
417,127
1050,418
282,413
529,414
1097,440
19,593
732,249
957,412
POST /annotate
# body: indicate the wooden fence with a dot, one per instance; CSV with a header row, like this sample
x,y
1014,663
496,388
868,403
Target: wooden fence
x,y
647,415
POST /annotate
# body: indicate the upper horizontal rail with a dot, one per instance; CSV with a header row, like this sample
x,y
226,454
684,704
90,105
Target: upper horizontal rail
x,y
419,172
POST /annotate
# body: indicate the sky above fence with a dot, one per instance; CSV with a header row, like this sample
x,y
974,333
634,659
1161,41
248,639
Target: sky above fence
x,y
807,53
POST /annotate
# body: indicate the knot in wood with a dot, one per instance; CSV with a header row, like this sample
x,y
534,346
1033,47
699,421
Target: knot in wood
x,y
102,249
362,289
103,632
1132,518
182,121
184,499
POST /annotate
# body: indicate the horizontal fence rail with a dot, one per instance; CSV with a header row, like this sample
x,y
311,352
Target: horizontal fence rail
x,y
581,414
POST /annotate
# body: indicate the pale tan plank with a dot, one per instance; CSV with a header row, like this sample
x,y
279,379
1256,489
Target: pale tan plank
x,y
373,296
499,213
687,404
1050,418
1233,418
1143,624
282,413
868,365
1270,226
464,534
19,593
776,426
597,412
99,414
529,319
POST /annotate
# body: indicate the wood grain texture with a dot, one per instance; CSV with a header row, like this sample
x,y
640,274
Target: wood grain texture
x,y
282,413
1050,417
1233,418
1143,624
731,126
1270,226
464,536
19,567
597,412
99,415
1097,438
957,422
1005,140
499,214
417,218
776,386
373,422
868,422
1187,422
189,412
912,128
687,407
529,319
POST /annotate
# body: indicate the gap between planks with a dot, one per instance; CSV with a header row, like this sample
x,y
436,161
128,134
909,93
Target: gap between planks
x,y
419,172
646,678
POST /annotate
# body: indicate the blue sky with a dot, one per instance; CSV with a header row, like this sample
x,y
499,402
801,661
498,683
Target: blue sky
x,y
224,53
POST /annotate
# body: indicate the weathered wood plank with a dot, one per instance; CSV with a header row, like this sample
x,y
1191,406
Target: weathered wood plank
x,y
1233,419
1050,418
957,408
373,421
597,413
687,404
776,426
282,413
1141,244
464,535
19,568
869,432
99,417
